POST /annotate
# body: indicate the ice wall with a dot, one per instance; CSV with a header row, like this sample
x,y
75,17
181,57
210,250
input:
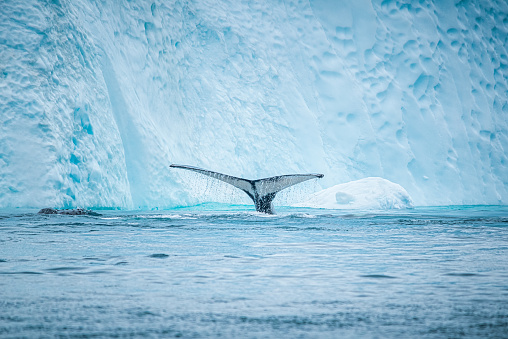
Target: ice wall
x,y
97,98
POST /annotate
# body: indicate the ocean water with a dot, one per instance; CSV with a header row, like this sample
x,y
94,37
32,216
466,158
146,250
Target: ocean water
x,y
226,271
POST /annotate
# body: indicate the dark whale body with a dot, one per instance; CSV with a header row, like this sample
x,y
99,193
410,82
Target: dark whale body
x,y
261,191
76,211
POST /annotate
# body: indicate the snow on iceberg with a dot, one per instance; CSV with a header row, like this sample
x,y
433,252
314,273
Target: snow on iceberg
x,y
367,193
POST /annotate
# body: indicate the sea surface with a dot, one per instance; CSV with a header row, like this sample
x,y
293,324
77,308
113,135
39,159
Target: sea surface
x,y
227,271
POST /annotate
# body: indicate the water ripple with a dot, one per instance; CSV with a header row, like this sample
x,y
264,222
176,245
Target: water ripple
x,y
378,276
431,272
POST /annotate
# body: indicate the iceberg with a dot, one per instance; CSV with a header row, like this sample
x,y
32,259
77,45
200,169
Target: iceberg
x,y
367,194
97,98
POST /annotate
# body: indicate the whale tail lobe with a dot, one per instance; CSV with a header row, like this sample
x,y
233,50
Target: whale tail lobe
x,y
261,191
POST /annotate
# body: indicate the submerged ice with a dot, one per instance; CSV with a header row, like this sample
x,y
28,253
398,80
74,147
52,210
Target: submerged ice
x,y
98,98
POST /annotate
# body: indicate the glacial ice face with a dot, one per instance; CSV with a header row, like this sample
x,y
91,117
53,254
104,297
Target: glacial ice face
x,y
59,145
98,98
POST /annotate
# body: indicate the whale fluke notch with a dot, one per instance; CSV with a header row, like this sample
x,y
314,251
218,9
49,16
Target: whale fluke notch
x,y
261,191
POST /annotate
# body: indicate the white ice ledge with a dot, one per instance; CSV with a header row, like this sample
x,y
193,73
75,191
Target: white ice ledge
x,y
368,193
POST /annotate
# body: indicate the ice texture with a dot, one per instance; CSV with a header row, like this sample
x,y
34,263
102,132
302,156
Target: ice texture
x,y
368,194
97,98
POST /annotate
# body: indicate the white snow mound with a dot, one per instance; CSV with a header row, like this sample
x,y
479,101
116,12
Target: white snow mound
x,y
367,193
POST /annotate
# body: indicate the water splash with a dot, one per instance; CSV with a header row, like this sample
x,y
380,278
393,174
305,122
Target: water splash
x,y
203,189
296,194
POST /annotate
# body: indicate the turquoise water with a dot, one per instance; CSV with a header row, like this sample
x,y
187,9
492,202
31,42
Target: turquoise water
x,y
233,273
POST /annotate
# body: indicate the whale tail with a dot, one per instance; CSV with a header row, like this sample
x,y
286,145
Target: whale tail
x,y
261,191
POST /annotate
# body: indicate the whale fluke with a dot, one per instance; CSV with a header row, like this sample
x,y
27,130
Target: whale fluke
x,y
261,191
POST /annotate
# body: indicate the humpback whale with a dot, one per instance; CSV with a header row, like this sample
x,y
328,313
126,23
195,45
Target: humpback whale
x,y
261,191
